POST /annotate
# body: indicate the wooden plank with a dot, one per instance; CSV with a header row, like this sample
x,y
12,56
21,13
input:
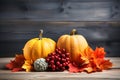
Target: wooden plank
x,y
33,6
93,31
105,75
76,11
25,33
60,10
88,10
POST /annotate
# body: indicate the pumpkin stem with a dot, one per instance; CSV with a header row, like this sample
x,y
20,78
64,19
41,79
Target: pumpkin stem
x,y
73,32
40,35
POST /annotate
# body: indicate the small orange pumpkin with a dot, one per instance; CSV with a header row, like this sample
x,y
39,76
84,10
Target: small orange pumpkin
x,y
74,44
37,48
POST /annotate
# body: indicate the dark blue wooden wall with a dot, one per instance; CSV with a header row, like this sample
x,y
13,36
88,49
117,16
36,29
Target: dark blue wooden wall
x,y
97,20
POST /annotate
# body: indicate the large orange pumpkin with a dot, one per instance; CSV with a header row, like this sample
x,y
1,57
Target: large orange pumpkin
x,y
37,48
74,43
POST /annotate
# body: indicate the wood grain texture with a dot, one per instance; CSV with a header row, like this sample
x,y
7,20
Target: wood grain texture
x,y
112,74
61,10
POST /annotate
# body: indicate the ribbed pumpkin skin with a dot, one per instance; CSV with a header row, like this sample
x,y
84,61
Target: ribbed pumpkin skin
x,y
74,44
38,48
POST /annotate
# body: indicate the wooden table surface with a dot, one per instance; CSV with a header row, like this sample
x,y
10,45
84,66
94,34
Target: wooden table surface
x,y
112,74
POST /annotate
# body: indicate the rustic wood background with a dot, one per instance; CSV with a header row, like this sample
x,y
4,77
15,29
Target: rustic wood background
x,y
97,20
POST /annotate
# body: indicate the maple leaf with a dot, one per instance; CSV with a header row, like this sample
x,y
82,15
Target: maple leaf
x,y
106,64
99,52
91,61
28,66
88,52
17,69
98,63
16,64
73,68
10,65
78,66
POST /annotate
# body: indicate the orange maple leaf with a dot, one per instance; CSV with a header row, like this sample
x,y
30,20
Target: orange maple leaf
x,y
99,52
98,63
94,60
101,63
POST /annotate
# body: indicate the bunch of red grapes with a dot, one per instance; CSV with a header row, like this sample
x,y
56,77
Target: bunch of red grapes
x,y
58,60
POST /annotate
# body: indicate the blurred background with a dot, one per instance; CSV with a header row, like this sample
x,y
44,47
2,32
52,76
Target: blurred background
x,y
97,20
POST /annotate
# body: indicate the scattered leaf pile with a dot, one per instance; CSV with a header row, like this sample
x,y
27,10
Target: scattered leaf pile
x,y
91,61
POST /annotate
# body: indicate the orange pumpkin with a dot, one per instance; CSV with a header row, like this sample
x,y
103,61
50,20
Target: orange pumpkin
x,y
37,48
74,44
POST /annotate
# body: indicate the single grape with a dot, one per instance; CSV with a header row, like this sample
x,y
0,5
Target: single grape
x,y
68,54
63,50
64,64
67,59
63,68
53,67
63,55
47,59
52,61
63,60
52,56
58,63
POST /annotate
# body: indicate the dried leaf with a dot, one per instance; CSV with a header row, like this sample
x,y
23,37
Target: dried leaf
x,y
88,52
91,61
17,69
99,52
89,70
10,65
81,60
73,68
106,64
101,63
28,66
16,64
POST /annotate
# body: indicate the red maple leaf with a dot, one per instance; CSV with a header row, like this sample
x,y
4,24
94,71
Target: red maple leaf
x,y
75,69
16,64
